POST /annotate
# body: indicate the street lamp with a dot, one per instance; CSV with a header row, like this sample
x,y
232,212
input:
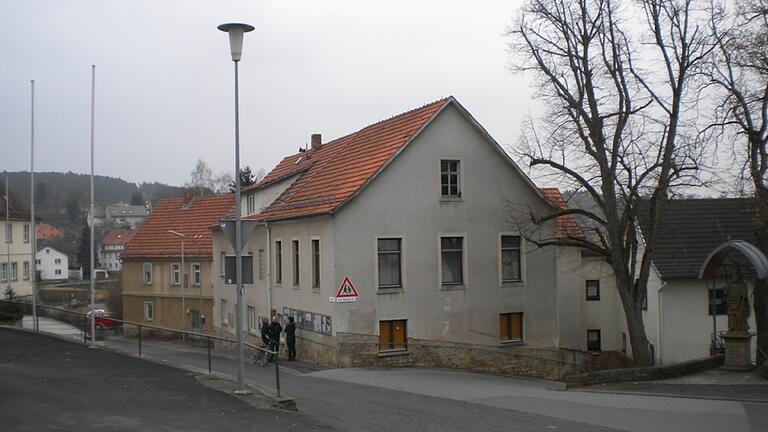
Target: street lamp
x,y
183,280
236,32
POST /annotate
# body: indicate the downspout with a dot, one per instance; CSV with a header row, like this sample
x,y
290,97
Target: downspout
x,y
269,269
660,296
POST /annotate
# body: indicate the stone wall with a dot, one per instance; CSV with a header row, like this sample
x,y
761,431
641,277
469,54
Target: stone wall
x,y
357,350
647,373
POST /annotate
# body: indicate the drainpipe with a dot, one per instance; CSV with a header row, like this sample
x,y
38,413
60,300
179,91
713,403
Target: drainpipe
x,y
659,306
269,269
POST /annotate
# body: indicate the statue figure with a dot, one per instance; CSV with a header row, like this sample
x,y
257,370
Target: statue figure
x,y
737,300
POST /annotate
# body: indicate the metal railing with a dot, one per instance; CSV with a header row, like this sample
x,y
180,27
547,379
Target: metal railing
x,y
83,321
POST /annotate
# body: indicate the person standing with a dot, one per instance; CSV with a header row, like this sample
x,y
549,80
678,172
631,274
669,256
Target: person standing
x,y
275,330
290,338
265,332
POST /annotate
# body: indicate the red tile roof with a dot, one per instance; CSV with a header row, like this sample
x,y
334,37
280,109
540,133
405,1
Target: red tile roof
x,y
565,226
45,231
332,174
119,236
192,219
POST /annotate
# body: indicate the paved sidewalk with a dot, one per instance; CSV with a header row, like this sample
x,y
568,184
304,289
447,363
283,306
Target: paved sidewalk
x,y
48,325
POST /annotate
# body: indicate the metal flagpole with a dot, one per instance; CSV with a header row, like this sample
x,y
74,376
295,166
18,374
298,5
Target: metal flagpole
x,y
7,235
33,232
92,214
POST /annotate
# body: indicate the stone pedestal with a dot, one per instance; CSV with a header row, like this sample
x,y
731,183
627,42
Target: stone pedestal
x,y
738,351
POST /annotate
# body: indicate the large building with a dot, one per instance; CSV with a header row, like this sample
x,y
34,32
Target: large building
x,y
112,246
412,215
16,249
156,288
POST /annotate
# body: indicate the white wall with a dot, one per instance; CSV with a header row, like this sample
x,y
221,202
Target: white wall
x,y
404,200
49,268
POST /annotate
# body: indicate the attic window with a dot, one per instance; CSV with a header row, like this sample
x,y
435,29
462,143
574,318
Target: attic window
x,y
298,160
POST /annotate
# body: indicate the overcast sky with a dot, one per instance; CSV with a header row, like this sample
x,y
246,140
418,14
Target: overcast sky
x,y
164,77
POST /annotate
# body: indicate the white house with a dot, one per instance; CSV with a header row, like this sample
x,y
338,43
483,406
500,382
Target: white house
x,y
112,246
16,247
683,312
52,264
411,213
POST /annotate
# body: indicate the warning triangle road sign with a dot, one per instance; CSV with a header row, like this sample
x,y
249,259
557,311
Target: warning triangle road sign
x,y
346,289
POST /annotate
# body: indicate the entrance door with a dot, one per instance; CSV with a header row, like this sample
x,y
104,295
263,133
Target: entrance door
x,y
195,320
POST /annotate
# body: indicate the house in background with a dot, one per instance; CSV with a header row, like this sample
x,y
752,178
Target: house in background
x,y
682,311
52,264
124,214
48,232
112,246
16,247
406,213
154,282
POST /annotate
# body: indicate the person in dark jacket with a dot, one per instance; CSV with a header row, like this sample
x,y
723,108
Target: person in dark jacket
x,y
290,338
275,329
265,331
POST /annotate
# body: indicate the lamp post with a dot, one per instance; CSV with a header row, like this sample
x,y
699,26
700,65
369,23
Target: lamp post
x,y
33,233
91,222
236,32
183,281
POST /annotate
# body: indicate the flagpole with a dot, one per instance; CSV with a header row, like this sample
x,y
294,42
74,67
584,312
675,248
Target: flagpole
x,y
91,218
33,231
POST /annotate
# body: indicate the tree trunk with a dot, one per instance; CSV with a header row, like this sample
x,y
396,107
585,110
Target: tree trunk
x,y
638,339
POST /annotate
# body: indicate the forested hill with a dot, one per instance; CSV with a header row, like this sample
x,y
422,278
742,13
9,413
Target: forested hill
x,y
56,191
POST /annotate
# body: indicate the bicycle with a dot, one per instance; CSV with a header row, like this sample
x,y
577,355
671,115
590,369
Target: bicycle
x,y
262,355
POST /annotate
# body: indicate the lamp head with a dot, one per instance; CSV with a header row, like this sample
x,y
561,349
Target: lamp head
x,y
236,32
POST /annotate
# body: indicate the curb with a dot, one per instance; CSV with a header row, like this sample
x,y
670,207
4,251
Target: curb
x,y
284,402
673,395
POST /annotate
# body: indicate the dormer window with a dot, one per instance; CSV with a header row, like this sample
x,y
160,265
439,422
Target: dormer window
x,y
450,180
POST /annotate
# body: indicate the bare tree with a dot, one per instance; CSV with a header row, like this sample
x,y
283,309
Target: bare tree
x,y
740,71
615,112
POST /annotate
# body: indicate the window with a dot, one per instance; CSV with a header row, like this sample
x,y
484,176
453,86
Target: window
x,y
57,272
14,271
25,270
252,323
57,261
511,327
224,311
510,258
389,262
175,274
593,340
261,264
452,262
392,335
644,296
295,244
315,263
593,290
26,233
222,261
623,342
717,300
149,311
37,261
449,178
196,277
278,262
8,233
250,204
4,272
147,273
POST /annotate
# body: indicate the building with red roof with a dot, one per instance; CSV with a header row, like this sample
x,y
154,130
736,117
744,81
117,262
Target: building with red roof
x,y
394,244
111,247
48,232
167,264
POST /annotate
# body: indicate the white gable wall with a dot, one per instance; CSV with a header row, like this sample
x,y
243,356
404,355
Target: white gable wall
x,y
404,200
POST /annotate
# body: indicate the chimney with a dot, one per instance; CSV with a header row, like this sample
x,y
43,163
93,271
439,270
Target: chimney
x,y
317,141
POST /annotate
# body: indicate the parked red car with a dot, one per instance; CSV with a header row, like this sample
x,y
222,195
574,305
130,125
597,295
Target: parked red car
x,y
103,321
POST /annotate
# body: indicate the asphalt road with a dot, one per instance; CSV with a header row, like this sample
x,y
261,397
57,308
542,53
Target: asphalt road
x,y
48,384
445,400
